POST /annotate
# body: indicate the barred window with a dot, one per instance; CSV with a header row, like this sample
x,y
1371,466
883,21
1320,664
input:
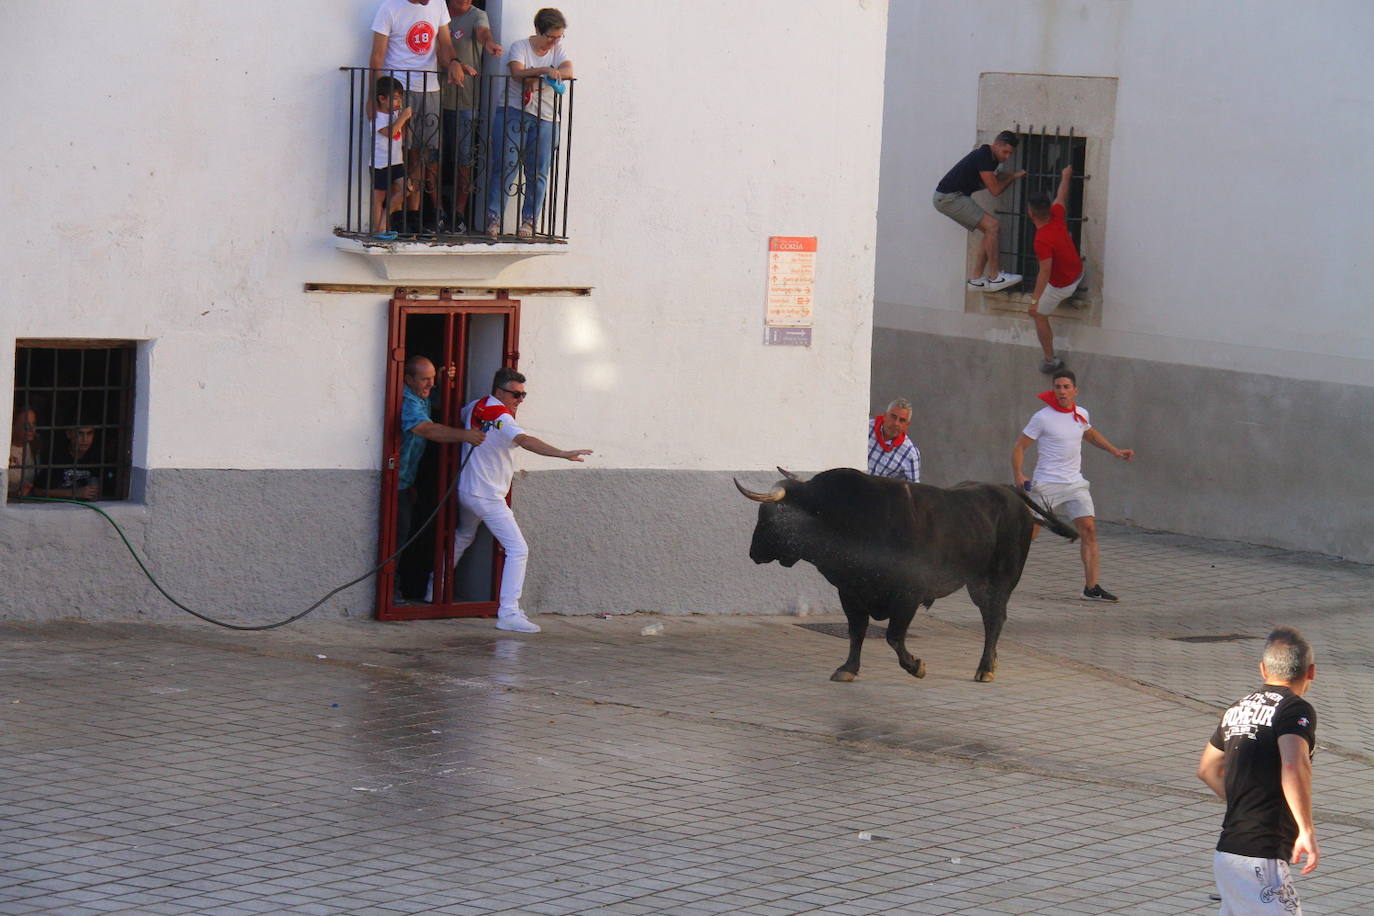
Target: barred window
x,y
73,419
1043,155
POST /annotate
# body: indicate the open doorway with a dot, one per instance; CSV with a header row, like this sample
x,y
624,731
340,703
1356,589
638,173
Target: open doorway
x,y
467,340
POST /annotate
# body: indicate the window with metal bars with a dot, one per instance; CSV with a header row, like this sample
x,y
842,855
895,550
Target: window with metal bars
x,y
73,419
1043,155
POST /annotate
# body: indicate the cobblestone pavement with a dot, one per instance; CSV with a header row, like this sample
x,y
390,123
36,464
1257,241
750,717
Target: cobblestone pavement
x,y
445,767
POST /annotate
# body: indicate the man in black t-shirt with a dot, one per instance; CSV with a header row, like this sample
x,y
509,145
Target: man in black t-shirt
x,y
976,172
1259,761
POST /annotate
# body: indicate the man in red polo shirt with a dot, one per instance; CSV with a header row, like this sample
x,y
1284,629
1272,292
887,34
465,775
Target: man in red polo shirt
x,y
1061,269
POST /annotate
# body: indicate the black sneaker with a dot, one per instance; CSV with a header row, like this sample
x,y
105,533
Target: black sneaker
x,y
1097,593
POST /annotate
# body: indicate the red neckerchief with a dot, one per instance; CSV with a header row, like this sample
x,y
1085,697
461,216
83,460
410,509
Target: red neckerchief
x,y
884,444
483,413
1049,398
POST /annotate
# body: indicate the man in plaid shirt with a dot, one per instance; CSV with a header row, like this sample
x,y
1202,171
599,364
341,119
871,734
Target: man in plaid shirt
x,y
890,452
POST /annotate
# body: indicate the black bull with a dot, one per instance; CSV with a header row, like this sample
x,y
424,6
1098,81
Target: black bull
x,y
890,546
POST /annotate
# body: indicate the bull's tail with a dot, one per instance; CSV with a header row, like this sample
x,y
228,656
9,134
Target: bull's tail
x,y
1047,518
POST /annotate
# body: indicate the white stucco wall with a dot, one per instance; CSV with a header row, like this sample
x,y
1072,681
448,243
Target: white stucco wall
x,y
185,191
1239,217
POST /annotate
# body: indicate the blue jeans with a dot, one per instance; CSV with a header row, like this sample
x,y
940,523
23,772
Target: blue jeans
x,y
518,137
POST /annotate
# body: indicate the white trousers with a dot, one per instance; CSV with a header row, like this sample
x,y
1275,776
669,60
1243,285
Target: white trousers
x,y
1254,887
500,521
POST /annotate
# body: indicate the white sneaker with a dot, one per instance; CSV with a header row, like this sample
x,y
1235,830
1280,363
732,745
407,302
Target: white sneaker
x,y
1002,281
517,623
980,285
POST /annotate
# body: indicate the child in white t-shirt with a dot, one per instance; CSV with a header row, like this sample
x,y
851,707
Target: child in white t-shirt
x,y
388,161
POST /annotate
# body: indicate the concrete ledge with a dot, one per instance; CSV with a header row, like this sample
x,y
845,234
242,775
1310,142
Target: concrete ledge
x,y
441,261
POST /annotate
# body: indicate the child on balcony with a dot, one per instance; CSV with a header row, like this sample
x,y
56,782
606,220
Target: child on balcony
x,y
388,161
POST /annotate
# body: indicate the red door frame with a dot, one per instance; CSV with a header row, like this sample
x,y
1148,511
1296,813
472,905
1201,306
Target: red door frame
x,y
457,314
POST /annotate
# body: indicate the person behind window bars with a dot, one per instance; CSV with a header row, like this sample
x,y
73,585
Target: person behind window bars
x,y
388,164
407,37
23,467
471,33
24,458
524,128
74,467
976,172
1061,269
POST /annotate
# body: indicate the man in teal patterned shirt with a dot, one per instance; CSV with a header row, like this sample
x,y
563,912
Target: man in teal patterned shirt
x,y
417,431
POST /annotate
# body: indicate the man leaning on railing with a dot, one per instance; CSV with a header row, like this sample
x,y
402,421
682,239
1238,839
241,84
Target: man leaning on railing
x,y
407,35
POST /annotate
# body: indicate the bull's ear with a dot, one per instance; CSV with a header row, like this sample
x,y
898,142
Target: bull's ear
x,y
774,495
788,474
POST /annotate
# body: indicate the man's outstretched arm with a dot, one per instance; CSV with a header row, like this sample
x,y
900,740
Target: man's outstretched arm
x,y
1063,193
438,432
540,447
996,184
1099,440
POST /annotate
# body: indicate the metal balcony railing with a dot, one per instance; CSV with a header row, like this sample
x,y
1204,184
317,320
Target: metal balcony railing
x,y
490,164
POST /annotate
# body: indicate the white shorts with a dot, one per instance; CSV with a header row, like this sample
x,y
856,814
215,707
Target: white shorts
x,y
1068,499
1053,295
1254,886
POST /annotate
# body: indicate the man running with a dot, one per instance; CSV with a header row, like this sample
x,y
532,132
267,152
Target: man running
x,y
1058,431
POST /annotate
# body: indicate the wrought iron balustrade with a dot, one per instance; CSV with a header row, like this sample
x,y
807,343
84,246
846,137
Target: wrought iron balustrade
x,y
489,164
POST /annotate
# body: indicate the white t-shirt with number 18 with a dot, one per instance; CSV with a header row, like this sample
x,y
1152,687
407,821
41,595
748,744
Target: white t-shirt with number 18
x,y
412,30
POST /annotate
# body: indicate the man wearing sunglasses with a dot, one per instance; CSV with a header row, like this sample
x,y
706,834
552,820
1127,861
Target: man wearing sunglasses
x,y
486,481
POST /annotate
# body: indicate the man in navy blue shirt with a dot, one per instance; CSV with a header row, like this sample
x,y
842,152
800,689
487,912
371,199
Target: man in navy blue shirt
x,y
977,172
417,431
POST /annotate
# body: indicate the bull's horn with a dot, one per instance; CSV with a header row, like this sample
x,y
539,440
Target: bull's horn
x,y
788,474
775,495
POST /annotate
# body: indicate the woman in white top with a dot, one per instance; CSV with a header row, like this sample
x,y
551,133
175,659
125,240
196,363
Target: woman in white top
x,y
525,127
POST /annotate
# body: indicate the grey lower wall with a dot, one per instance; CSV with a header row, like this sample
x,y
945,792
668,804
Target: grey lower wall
x,y
1233,455
256,546
672,542
245,546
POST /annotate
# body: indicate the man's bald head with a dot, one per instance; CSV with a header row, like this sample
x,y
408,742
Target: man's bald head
x,y
420,375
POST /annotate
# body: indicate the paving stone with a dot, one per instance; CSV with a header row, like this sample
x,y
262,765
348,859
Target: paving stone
x,y
172,768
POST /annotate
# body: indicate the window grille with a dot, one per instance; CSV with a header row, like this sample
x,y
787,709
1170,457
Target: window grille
x,y
1043,154
81,394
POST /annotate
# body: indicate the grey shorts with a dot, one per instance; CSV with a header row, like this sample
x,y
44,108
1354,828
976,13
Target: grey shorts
x,y
960,208
1070,500
424,121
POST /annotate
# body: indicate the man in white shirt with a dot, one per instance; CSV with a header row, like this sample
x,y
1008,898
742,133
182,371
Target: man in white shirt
x,y
1058,430
486,481
409,37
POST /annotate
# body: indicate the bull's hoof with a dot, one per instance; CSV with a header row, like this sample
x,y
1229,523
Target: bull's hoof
x,y
843,675
917,670
985,676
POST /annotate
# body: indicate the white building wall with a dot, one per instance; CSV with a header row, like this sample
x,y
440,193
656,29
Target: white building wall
x,y
185,188
1239,216
1235,349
